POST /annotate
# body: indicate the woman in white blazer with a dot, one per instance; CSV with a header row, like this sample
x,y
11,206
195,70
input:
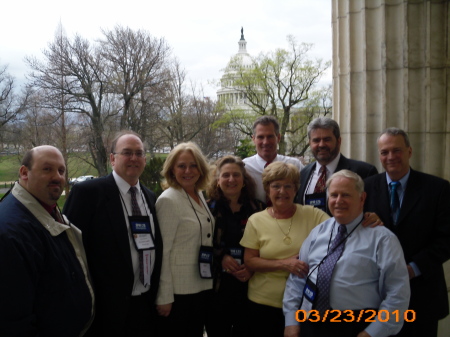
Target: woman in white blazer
x,y
187,229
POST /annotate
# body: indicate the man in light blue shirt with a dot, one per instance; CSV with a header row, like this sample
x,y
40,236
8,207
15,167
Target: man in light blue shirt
x,y
369,287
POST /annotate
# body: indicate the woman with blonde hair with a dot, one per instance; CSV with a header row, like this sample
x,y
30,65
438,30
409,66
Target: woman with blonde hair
x,y
187,228
232,201
272,241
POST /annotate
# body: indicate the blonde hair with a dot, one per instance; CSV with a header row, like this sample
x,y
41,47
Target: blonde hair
x,y
279,171
200,160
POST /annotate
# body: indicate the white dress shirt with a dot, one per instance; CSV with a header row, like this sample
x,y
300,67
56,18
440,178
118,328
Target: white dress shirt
x,y
254,166
124,188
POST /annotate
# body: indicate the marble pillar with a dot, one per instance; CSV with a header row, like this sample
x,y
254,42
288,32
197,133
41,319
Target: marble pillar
x,y
391,68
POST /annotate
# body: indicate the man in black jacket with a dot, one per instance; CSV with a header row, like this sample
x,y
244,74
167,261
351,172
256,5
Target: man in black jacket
x,y
416,207
123,243
325,142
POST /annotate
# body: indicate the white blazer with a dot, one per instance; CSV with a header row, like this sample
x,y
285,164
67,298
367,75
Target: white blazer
x,y
182,237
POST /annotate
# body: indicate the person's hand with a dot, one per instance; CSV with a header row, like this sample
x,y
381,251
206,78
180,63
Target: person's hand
x,y
411,272
294,266
372,220
230,265
292,331
164,309
243,274
363,334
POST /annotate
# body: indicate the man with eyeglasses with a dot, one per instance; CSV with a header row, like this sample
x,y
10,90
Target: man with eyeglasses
x,y
123,242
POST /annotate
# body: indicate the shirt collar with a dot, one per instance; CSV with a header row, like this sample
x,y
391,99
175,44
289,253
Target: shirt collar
x,y
403,181
331,167
123,186
354,223
262,161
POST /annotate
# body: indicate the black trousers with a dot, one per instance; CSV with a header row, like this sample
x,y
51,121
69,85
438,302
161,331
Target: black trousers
x,y
265,321
187,317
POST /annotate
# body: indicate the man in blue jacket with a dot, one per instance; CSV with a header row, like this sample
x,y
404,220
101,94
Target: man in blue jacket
x,y
44,282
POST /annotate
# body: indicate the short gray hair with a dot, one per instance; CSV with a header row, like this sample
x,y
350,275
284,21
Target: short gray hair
x,y
396,132
359,183
324,123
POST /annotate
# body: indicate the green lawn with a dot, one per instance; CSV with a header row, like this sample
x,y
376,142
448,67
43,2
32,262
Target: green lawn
x,y
77,166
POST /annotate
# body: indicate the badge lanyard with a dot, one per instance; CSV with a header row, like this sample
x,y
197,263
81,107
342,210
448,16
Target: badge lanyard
x,y
143,239
310,289
318,200
205,255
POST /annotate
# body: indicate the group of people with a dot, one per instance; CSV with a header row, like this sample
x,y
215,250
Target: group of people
x,y
251,247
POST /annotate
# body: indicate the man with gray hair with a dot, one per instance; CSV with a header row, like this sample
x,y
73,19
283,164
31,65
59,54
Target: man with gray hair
x,y
415,206
358,281
325,142
266,136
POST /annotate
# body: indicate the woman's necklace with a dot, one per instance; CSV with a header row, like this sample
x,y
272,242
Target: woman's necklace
x,y
287,239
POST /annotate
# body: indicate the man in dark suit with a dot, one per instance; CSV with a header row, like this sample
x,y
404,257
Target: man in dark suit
x,y
325,142
123,241
417,210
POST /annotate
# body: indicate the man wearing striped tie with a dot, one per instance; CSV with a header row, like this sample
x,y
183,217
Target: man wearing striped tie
x,y
357,284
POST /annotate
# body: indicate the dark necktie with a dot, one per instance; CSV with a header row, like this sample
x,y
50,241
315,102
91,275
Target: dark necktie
x,y
326,270
395,200
136,211
322,182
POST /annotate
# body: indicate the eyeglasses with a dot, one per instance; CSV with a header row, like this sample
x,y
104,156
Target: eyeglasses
x,y
129,154
277,187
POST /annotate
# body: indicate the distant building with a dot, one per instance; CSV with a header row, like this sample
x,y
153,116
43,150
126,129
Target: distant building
x,y
228,93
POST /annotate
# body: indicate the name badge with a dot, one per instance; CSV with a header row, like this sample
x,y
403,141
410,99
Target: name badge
x,y
309,293
237,253
205,261
318,200
141,232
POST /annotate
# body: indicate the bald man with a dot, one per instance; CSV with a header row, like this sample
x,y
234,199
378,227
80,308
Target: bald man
x,y
44,282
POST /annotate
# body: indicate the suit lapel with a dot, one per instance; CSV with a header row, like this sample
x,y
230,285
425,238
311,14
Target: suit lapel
x,y
117,218
411,196
382,196
304,178
343,164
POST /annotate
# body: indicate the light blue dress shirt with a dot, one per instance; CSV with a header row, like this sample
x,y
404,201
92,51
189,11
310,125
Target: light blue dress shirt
x,y
371,273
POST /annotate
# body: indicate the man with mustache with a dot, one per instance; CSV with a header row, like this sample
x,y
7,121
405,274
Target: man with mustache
x,y
44,282
325,142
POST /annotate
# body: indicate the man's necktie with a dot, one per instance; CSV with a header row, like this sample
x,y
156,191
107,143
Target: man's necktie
x,y
395,200
136,211
322,182
326,270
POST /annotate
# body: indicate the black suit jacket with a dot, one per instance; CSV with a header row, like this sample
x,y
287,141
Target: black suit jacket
x,y
423,229
363,169
95,207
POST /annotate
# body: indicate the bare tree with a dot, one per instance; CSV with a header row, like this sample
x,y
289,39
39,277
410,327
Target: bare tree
x,y
11,104
74,70
277,84
135,63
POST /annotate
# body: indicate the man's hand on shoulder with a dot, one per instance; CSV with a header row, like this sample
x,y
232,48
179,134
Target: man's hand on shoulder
x,y
363,334
292,331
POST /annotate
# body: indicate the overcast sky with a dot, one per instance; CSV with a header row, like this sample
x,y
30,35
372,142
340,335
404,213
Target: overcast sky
x,y
203,34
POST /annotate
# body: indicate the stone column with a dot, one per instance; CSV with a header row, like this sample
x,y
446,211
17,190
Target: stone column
x,y
391,68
